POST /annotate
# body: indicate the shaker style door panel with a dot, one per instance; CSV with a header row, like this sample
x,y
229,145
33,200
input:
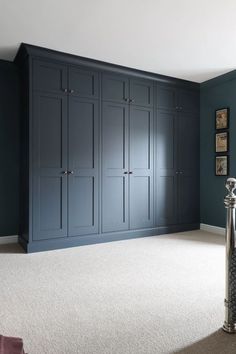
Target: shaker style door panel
x,y
166,141
49,163
51,207
83,166
115,204
49,77
141,201
83,83
188,101
141,167
114,167
83,205
188,142
141,139
166,160
166,97
141,92
188,199
188,162
115,88
166,202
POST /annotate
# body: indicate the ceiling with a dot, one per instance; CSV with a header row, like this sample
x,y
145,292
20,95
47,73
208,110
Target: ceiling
x,y
189,39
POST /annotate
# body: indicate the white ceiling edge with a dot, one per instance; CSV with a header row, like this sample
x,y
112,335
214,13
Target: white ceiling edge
x,y
186,39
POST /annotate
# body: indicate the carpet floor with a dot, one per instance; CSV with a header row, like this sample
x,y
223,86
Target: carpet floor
x,y
150,295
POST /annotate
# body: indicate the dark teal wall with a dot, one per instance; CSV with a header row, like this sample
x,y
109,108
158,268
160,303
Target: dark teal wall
x,y
216,93
9,149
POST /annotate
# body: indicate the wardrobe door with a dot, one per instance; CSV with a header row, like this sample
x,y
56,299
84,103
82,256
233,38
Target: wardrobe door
x,y
141,92
188,187
166,97
83,82
188,101
49,159
166,160
114,167
115,88
49,77
188,162
83,167
141,167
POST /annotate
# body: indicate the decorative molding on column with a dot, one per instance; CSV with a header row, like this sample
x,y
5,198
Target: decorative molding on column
x,y
230,259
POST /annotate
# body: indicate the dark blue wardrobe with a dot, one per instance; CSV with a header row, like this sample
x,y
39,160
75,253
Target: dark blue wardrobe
x,y
107,152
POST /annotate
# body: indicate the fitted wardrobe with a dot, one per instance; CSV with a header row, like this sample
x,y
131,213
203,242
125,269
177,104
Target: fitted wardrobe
x,y
107,152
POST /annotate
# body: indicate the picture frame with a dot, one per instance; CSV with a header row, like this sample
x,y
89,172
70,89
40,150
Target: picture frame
x,y
222,142
222,118
222,165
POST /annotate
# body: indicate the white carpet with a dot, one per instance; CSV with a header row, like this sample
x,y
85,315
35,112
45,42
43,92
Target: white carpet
x,y
143,296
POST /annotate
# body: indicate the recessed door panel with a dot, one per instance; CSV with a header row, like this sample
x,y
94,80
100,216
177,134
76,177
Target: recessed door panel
x,y
82,210
167,200
49,164
167,171
141,167
166,97
188,199
115,136
50,203
115,88
114,210
49,77
188,101
166,140
83,166
141,92
188,142
114,167
83,83
141,138
141,201
50,132
188,161
83,116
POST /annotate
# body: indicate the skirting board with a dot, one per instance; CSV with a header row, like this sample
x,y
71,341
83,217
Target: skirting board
x,y
209,228
8,239
214,229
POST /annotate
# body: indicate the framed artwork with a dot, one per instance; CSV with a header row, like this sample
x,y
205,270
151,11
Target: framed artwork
x,y
222,142
221,166
222,118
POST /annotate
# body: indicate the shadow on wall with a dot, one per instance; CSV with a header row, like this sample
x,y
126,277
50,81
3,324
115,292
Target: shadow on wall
x,y
9,148
218,342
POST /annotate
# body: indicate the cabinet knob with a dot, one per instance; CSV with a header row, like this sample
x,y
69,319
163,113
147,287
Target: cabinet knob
x,y
65,90
65,172
176,172
71,91
181,172
130,173
126,99
70,172
132,100
176,107
125,173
